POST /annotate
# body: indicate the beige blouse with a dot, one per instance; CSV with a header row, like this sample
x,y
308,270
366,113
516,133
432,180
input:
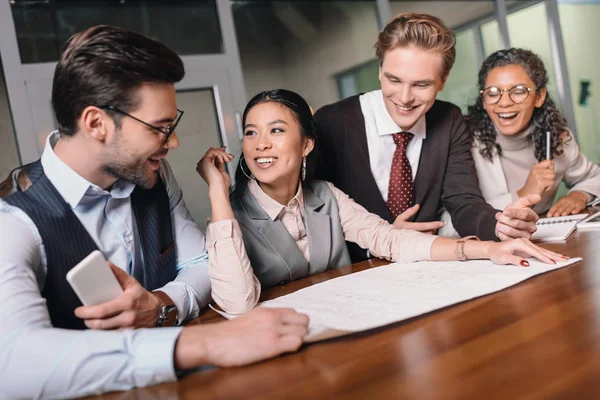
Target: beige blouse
x,y
235,288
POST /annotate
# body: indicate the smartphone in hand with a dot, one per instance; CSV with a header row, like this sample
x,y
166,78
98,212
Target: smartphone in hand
x,y
93,281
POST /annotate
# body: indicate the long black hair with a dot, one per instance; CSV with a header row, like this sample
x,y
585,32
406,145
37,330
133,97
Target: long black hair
x,y
302,114
546,118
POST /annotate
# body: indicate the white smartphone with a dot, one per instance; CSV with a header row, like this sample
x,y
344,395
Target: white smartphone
x,y
93,281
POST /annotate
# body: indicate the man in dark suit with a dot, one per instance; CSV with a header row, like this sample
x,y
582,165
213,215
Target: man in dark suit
x,y
404,155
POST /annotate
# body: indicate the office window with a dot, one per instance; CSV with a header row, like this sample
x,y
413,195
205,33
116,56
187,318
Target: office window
x,y
579,23
520,25
361,79
188,27
303,46
519,28
461,86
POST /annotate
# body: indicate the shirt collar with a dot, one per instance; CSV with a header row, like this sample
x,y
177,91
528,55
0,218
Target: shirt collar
x,y
384,122
272,207
72,186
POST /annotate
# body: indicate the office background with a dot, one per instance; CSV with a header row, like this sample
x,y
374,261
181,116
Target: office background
x,y
321,49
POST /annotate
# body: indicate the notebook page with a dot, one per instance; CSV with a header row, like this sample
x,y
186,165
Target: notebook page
x,y
556,228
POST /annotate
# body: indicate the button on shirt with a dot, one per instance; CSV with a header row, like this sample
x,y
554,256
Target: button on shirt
x,y
380,128
67,363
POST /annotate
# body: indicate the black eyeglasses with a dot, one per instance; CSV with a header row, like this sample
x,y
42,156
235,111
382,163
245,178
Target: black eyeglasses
x,y
165,130
492,94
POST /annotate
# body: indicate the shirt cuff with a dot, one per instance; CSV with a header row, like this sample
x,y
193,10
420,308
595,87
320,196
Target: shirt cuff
x,y
154,355
178,293
224,229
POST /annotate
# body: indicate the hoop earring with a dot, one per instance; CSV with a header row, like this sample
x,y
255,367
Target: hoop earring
x,y
249,176
303,168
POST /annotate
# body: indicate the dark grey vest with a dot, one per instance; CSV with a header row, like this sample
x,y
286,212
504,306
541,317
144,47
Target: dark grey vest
x,y
66,241
273,253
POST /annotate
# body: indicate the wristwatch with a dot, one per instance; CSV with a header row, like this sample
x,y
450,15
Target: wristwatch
x,y
167,315
460,247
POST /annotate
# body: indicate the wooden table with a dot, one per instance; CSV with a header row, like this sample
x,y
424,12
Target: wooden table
x,y
538,339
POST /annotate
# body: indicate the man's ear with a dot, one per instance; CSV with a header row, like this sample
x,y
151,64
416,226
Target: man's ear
x,y
540,97
309,145
94,122
444,79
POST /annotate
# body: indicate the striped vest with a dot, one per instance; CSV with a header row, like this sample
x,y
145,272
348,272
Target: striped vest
x,y
66,241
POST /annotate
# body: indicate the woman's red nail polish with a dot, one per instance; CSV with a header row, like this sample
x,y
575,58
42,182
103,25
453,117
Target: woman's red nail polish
x,y
525,263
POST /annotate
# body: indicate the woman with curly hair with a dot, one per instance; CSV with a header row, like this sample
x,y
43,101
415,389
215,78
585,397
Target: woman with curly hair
x,y
510,123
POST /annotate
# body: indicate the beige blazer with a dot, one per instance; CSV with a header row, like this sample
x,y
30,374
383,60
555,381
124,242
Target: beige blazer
x,y
572,167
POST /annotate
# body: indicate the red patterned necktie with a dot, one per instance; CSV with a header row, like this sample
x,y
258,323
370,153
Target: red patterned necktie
x,y
400,189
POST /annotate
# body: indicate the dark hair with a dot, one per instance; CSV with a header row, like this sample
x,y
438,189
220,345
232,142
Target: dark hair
x,y
302,114
546,118
105,65
420,30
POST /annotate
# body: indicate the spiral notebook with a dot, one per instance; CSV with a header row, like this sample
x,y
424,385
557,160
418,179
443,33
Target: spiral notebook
x,y
556,228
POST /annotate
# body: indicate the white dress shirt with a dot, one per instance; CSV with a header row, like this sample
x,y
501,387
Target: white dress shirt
x,y
380,127
39,361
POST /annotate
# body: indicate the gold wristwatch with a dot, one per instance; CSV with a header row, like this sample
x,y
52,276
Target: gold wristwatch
x,y
167,315
460,247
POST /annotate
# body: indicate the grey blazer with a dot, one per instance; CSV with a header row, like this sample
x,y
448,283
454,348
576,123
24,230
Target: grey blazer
x,y
273,253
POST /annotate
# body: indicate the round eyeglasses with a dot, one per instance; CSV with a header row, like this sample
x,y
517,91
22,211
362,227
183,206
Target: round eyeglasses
x,y
167,131
492,94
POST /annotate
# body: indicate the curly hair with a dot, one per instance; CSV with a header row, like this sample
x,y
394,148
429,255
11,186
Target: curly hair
x,y
544,119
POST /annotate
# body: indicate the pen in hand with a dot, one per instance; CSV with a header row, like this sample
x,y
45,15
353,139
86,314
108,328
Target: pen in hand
x,y
548,139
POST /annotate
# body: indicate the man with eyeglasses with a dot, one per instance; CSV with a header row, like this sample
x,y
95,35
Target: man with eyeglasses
x,y
404,155
102,183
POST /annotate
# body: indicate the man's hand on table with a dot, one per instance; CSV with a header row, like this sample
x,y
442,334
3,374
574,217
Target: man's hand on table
x,y
257,335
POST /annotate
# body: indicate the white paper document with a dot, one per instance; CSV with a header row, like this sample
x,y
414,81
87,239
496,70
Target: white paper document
x,y
395,292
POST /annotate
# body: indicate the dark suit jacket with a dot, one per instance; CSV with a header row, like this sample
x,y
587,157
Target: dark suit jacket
x,y
446,176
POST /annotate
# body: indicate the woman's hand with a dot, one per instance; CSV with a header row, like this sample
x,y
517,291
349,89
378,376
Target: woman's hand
x,y
573,203
212,169
540,178
514,252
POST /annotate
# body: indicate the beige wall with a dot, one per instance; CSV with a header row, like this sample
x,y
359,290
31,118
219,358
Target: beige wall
x,y
345,41
309,64
260,72
9,157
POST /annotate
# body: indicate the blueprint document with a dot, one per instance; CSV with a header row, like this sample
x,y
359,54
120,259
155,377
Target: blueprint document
x,y
395,292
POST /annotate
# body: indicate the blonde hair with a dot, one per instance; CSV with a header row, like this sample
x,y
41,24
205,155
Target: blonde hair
x,y
419,30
